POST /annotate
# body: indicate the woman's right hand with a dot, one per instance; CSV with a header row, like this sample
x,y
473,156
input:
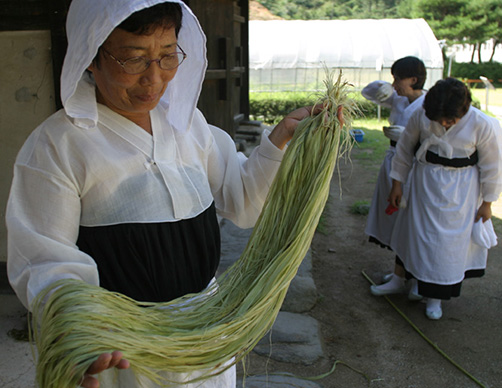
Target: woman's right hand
x,y
103,362
396,193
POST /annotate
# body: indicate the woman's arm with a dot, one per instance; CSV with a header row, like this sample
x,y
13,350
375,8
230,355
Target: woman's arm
x,y
396,193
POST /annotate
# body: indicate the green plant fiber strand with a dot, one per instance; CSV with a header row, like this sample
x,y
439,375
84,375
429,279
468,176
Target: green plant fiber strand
x,y
75,322
437,348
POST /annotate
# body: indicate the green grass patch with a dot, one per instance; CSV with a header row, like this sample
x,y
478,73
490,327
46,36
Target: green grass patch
x,y
360,208
371,151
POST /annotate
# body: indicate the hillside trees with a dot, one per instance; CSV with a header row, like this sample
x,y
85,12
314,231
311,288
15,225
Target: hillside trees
x,y
462,21
334,9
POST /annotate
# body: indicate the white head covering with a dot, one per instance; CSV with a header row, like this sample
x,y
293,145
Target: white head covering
x,y
88,25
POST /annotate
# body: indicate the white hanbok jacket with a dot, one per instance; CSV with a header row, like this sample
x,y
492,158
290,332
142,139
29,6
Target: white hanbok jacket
x,y
433,234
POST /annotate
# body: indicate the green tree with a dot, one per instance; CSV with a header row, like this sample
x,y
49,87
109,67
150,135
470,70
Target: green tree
x,y
333,9
479,28
443,16
494,13
458,21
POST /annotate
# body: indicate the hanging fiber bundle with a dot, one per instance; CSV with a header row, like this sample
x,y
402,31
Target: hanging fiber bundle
x,y
75,322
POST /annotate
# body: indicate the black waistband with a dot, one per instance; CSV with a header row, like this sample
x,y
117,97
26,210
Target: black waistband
x,y
434,158
472,160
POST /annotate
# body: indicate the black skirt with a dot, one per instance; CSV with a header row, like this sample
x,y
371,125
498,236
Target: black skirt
x,y
155,262
440,291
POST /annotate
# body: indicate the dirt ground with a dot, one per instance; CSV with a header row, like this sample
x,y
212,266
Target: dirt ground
x,y
368,334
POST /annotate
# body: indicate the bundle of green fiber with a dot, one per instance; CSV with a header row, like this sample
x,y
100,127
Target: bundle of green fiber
x,y
75,322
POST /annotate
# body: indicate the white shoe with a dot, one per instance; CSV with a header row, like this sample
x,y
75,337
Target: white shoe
x,y
433,309
375,290
434,314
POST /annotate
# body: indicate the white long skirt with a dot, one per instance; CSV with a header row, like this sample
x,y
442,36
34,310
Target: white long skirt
x,y
379,225
432,235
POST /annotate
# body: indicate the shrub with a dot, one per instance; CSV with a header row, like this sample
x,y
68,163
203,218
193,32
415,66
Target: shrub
x,y
272,107
490,70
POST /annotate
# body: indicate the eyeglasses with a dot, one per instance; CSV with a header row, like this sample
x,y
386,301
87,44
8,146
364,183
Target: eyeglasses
x,y
138,65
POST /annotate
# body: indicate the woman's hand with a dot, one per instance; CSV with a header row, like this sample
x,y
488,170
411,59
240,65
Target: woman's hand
x,y
104,361
484,212
284,131
396,193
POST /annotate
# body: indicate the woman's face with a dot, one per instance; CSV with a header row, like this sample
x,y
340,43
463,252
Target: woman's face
x,y
447,123
403,86
133,96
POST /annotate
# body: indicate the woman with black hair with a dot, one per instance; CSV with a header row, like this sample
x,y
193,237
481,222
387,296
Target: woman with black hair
x,y
404,96
122,187
452,154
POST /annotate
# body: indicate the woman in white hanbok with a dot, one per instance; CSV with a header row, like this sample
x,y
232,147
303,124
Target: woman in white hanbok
x,y
404,96
122,187
450,154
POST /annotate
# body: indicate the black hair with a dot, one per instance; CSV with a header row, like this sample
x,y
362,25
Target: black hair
x,y
145,21
410,67
142,22
447,99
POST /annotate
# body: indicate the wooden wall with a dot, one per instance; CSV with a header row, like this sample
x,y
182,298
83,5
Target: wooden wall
x,y
225,94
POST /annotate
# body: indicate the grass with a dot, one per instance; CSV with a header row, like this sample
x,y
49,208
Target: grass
x,y
371,150
494,96
360,207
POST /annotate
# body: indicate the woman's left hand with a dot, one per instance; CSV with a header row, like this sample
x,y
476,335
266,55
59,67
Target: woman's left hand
x,y
104,361
284,131
484,212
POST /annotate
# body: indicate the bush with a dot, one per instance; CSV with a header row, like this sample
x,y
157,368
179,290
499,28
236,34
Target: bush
x,y
272,107
490,70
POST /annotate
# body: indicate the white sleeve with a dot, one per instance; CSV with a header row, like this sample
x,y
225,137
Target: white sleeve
x,y
43,214
369,92
240,185
405,148
489,149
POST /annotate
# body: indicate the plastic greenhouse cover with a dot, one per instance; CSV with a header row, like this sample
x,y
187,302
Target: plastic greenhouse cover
x,y
358,43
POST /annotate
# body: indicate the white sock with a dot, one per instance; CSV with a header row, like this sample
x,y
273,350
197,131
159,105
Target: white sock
x,y
394,282
414,286
433,304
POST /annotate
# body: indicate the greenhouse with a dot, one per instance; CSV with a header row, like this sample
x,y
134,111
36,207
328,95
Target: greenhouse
x,y
289,55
